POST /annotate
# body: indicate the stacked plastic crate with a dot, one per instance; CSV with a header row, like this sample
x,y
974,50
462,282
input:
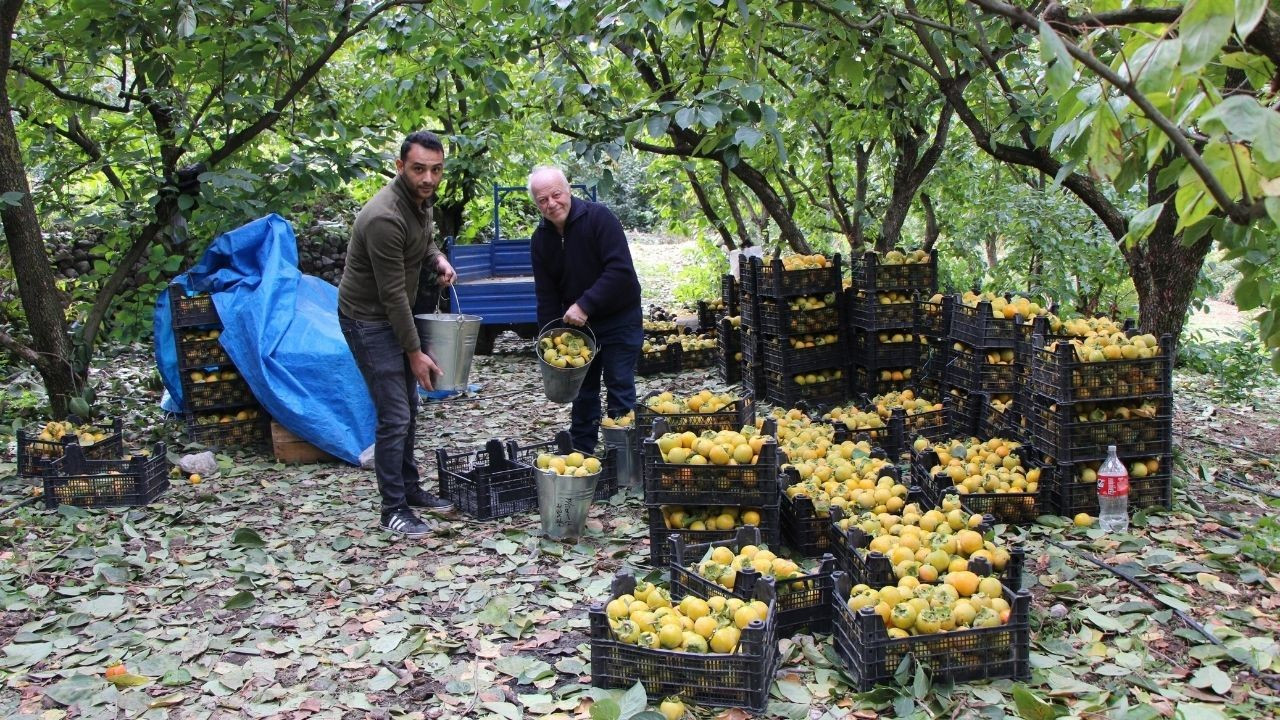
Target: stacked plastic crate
x,y
881,312
729,350
704,501
711,312
1110,388
219,407
794,328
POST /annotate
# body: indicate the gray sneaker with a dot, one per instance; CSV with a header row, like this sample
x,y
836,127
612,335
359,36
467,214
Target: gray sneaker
x,y
404,522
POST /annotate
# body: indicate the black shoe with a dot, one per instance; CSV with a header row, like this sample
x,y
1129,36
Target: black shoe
x,y
405,523
427,501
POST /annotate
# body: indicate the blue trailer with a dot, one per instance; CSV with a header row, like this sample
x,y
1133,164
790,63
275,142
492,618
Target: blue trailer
x,y
495,279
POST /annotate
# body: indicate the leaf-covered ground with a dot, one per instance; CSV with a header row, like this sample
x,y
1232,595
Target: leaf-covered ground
x,y
268,591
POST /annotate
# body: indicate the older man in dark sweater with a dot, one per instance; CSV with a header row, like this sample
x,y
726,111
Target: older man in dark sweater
x,y
391,240
582,272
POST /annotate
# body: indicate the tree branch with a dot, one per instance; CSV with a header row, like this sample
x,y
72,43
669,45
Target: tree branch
x,y
63,94
1241,214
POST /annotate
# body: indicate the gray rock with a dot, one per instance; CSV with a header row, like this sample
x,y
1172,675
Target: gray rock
x,y
1058,610
202,463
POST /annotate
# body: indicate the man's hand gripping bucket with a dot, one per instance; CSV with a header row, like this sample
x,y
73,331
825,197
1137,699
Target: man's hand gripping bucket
x,y
560,383
450,340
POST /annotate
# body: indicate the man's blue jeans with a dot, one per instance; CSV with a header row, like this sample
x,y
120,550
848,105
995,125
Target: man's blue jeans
x,y
617,349
394,390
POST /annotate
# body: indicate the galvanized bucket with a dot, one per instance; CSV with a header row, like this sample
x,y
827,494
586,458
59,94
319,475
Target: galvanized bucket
x,y
563,502
450,340
561,384
623,440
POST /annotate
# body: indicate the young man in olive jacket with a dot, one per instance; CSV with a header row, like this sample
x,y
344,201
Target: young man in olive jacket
x,y
582,273
391,242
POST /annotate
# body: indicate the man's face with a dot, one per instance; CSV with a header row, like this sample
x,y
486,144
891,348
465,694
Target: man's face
x,y
552,197
423,169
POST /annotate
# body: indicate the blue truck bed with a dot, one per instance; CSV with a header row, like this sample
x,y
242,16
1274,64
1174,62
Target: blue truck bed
x,y
495,281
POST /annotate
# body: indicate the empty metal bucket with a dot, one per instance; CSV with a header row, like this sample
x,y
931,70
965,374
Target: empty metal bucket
x,y
623,440
563,502
450,340
561,385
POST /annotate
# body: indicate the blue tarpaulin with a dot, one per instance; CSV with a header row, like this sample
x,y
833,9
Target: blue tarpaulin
x,y
280,328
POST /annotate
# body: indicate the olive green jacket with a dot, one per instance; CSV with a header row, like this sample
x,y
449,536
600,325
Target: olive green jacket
x,y
391,239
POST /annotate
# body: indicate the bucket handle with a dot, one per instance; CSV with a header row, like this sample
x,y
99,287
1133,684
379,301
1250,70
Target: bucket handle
x,y
586,327
457,304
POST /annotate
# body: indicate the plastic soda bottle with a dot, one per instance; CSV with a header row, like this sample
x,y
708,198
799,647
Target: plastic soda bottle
x,y
1113,494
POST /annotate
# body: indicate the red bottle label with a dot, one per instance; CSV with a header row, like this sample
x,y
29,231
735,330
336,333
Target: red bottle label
x,y
1113,485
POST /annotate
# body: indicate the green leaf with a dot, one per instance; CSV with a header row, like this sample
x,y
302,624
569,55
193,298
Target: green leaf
x,y
12,198
1031,706
747,135
1105,156
606,709
1142,223
1154,65
384,680
1205,26
685,117
1248,14
1247,294
1209,676
242,599
497,611
248,538
1198,711
794,691
1057,59
751,92
657,125
1272,204
633,701
1239,116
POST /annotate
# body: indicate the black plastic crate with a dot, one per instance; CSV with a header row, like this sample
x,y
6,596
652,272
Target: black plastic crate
x,y
729,353
1041,326
233,392
1009,507
740,679
766,316
804,529
871,657
885,436
562,444
666,360
803,603
869,351
486,484
709,318
871,382
733,416
785,391
993,422
1058,374
754,485
933,315
695,359
190,310
35,454
1067,496
870,273
977,326
850,550
768,279
865,311
660,535
663,329
780,357
1058,431
75,479
973,371
730,294
220,429
200,348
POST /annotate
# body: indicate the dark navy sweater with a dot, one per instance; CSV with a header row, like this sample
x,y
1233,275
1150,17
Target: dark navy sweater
x,y
590,265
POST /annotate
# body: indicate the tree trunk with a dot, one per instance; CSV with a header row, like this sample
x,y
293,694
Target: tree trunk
x,y
1164,273
731,199
930,223
41,301
909,173
773,205
991,245
862,161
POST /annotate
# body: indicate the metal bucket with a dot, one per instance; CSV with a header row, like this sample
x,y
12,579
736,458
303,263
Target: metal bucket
x,y
561,384
450,340
623,440
563,502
